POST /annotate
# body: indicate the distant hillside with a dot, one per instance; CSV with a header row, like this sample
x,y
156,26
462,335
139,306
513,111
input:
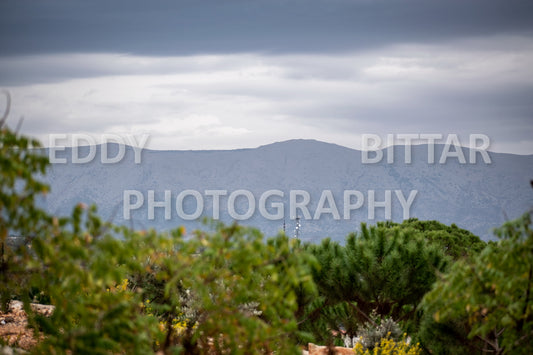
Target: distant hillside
x,y
476,197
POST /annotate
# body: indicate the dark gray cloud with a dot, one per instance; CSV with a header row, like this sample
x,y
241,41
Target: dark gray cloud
x,y
280,26
239,73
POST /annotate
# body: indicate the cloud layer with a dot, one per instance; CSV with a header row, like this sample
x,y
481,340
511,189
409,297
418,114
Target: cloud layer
x,y
245,73
169,27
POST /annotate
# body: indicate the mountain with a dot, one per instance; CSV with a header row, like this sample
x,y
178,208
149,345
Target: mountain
x,y
476,196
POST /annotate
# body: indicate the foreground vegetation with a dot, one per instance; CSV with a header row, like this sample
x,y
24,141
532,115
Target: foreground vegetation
x,y
408,288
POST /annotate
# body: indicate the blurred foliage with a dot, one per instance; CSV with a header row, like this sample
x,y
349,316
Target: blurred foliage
x,y
454,241
224,291
492,292
21,165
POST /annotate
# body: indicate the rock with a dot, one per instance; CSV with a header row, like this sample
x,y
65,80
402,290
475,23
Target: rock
x,y
323,350
42,309
15,306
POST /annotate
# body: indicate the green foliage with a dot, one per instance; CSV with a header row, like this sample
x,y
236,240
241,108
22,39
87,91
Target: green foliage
x,y
380,270
20,163
235,291
456,242
78,266
228,290
447,337
122,291
491,293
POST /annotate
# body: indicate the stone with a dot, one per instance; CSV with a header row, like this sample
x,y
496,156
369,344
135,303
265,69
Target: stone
x,y
323,350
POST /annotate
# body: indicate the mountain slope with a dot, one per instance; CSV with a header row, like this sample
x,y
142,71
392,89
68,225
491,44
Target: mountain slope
x,y
476,197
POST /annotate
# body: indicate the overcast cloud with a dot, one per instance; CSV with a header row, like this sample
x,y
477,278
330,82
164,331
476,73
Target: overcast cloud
x,y
221,75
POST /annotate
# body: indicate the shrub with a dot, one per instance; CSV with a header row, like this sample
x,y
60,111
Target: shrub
x,y
371,334
117,290
388,346
383,270
491,293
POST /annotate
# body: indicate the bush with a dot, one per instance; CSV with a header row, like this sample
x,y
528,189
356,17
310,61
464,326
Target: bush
x,y
227,290
138,292
388,346
491,293
20,166
380,270
371,334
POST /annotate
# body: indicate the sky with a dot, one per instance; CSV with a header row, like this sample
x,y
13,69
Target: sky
x,y
226,74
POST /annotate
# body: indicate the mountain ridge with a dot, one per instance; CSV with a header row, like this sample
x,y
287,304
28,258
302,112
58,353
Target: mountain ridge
x,y
282,143
472,196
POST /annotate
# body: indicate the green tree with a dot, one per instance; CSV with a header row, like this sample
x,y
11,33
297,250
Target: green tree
x,y
380,270
456,242
20,166
491,293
